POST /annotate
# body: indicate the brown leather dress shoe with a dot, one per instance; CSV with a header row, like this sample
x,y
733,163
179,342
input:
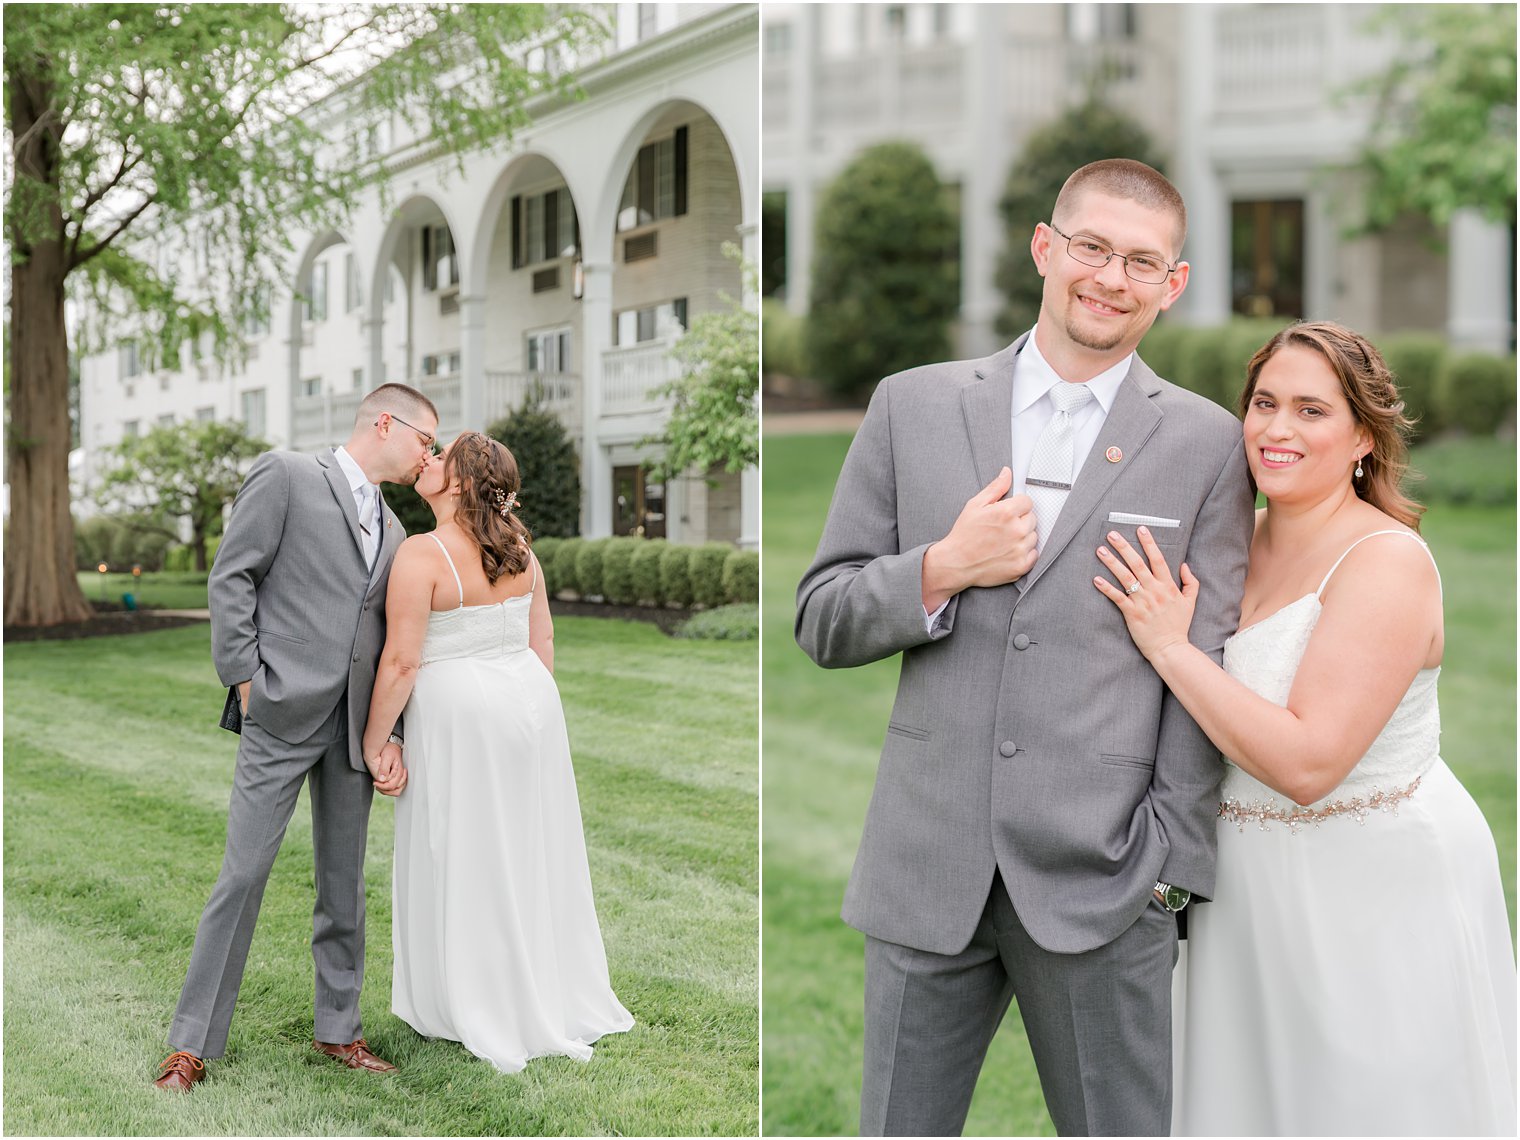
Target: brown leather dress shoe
x,y
355,1055
180,1071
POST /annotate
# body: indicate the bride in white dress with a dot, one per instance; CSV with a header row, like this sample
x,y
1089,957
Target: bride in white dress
x,y
1354,974
494,929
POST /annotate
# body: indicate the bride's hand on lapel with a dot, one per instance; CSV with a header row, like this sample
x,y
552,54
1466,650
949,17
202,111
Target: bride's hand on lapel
x,y
1157,613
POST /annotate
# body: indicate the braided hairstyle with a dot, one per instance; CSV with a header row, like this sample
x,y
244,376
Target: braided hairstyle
x,y
488,484
1369,388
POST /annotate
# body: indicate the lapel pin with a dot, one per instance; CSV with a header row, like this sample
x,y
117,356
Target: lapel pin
x,y
1113,455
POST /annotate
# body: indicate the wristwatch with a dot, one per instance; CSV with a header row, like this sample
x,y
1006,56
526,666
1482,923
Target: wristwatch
x,y
394,739
1173,898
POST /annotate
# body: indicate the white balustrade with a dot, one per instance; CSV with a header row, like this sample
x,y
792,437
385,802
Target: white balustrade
x,y
558,392
630,374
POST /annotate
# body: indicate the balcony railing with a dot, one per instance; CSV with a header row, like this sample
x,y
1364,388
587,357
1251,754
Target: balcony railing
x,y
630,375
558,392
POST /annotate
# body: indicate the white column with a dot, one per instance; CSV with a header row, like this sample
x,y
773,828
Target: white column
x,y
749,508
1480,306
749,245
1207,299
373,330
800,193
596,338
472,364
986,165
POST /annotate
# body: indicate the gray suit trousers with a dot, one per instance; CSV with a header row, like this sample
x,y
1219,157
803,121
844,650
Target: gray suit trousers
x,y
265,786
1099,1025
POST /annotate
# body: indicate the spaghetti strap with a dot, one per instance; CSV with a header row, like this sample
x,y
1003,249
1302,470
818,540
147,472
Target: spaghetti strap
x,y
458,585
1326,580
533,560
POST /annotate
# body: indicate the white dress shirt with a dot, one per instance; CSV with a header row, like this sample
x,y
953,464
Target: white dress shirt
x,y
369,528
1033,378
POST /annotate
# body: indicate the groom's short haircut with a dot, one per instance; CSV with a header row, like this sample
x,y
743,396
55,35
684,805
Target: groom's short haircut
x,y
1125,178
398,400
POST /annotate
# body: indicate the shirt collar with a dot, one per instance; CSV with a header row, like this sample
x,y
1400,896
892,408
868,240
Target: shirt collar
x,y
1033,377
351,469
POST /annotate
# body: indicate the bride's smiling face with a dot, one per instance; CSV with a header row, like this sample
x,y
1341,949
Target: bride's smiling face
x,y
1302,438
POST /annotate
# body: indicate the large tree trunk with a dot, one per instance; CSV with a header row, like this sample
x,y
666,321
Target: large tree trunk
x,y
40,587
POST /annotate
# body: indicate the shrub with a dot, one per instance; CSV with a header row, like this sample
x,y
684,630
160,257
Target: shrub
x,y
1163,347
565,559
675,575
706,573
412,511
885,276
121,542
1479,470
741,576
182,558
645,570
783,335
1476,392
1416,360
617,570
544,549
588,567
726,623
551,474
1204,363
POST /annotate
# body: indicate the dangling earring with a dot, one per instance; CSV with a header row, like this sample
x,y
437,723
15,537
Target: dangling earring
x,y
1358,466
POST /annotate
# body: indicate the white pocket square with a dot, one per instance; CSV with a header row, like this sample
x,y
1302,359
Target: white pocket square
x,y
1140,520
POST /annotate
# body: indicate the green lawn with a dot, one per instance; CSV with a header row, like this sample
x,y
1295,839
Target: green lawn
x,y
116,784
823,732
172,590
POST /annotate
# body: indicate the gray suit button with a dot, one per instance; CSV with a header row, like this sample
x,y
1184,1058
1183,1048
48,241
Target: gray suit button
x,y
356,658
1021,641
1008,747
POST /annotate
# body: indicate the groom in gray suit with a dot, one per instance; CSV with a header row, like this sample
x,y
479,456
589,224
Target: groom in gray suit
x,y
1043,806
297,624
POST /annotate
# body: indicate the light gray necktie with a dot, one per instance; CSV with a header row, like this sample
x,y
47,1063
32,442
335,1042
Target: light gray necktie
x,y
368,522
1050,466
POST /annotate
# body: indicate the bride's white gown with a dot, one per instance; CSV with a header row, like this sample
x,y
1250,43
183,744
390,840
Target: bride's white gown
x,y
1354,974
495,933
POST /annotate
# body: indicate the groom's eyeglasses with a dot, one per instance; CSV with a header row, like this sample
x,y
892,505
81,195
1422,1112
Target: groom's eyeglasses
x,y
430,442
1146,268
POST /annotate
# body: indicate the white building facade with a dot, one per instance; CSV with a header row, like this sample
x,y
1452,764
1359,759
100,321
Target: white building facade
x,y
567,263
1253,104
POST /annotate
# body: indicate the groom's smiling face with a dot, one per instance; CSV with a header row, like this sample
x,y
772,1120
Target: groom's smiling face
x,y
1100,309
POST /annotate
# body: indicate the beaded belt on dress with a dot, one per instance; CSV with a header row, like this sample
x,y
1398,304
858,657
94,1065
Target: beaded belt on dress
x,y
1359,808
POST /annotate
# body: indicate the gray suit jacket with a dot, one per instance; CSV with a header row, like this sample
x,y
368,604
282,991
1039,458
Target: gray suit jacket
x,y
293,606
1029,734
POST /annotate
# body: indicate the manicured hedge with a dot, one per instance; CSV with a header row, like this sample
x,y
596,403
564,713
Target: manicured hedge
x,y
741,576
645,569
1470,392
675,575
706,573
625,570
617,570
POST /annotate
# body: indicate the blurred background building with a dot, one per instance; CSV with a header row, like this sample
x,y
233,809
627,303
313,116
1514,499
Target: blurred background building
x,y
568,263
1256,106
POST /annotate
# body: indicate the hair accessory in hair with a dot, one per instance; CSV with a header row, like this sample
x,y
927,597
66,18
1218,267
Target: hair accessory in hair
x,y
505,502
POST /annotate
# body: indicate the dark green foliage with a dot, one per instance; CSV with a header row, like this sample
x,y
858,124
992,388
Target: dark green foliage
x,y
645,571
566,557
588,567
784,335
1468,469
1204,365
885,276
773,242
617,569
544,550
411,509
1476,392
121,541
182,558
550,500
741,576
1083,134
1416,360
675,575
706,572
726,623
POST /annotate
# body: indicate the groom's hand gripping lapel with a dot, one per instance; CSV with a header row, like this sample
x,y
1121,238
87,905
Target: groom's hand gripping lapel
x,y
992,543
